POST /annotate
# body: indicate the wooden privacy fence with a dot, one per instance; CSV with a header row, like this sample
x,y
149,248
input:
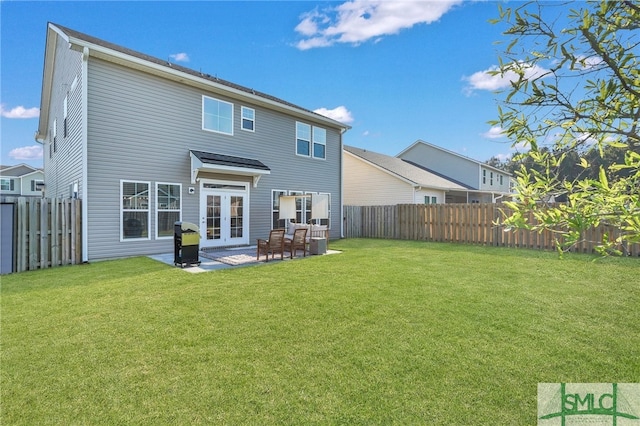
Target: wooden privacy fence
x,y
47,233
459,223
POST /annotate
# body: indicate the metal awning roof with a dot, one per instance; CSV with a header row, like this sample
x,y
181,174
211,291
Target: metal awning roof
x,y
228,164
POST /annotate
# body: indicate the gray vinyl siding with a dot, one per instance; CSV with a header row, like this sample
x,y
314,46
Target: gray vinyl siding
x,y
64,166
141,128
453,166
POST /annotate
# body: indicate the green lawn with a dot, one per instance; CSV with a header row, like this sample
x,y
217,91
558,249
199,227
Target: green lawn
x,y
387,332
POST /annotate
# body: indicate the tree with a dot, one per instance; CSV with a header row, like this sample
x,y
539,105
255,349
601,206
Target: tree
x,y
574,102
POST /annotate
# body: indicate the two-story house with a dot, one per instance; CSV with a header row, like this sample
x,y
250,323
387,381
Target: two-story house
x,y
21,180
421,174
488,184
145,143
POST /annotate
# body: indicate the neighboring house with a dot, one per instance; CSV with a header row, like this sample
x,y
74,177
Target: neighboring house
x,y
21,180
489,184
372,179
145,143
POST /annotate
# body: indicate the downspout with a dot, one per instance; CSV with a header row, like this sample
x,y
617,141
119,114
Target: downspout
x,y
85,143
342,183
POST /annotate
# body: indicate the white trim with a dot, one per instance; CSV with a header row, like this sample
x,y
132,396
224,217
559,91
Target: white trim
x,y
242,118
246,193
186,78
302,139
157,210
313,142
198,166
148,210
85,143
223,102
420,141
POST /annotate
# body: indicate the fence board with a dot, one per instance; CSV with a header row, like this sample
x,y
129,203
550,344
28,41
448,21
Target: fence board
x,y
48,233
462,223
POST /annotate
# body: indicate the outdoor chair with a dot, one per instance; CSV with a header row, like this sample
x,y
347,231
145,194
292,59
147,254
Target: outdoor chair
x,y
275,244
298,242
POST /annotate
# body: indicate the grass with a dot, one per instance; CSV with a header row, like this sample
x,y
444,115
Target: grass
x,y
387,332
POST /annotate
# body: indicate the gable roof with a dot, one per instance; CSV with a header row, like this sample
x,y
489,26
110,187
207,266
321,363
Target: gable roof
x,y
124,56
18,170
405,170
439,148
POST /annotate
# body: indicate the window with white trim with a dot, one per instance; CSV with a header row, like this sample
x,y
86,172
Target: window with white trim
x,y
64,116
484,176
276,222
303,139
134,210
6,184
55,135
248,118
319,142
217,115
303,208
491,181
168,208
37,185
430,200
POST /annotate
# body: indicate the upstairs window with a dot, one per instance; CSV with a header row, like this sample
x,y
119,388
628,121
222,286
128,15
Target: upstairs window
x,y
303,139
55,135
311,141
248,119
65,108
319,143
217,115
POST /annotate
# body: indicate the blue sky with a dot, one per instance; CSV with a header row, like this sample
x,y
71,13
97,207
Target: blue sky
x,y
394,71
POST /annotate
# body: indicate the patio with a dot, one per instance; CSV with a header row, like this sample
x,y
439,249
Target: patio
x,y
211,260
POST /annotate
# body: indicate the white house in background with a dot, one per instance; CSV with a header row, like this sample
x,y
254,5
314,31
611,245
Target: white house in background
x,y
486,184
371,178
21,180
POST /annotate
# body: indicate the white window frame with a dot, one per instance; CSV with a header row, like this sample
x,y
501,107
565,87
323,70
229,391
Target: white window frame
x,y
123,210
5,184
64,116
252,119
55,135
316,133
299,138
275,210
328,194
158,210
204,98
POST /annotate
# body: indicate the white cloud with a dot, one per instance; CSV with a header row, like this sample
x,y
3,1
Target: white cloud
x,y
180,57
341,114
496,132
33,152
357,21
486,80
20,112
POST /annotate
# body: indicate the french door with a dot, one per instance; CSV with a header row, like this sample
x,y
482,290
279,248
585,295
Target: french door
x,y
224,214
